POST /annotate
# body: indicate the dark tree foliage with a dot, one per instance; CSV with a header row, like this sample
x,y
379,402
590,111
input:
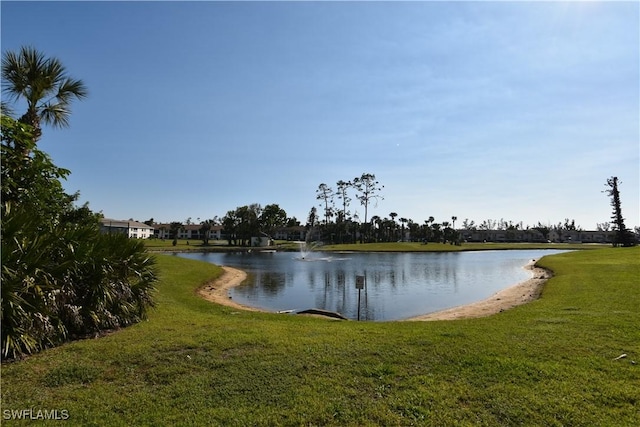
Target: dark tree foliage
x,y
243,223
271,218
624,237
325,194
205,228
367,189
61,278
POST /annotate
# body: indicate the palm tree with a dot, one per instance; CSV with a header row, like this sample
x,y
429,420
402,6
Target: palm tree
x,y
403,221
392,226
43,84
375,225
205,228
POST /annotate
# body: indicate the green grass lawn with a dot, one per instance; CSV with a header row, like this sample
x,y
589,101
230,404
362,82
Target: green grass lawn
x,y
547,363
445,247
157,245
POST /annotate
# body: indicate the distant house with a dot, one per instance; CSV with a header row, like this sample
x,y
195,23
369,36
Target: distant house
x,y
132,229
575,236
193,231
188,231
260,241
295,233
533,235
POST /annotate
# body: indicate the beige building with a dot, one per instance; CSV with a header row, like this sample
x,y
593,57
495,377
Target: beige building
x,y
132,229
531,235
190,231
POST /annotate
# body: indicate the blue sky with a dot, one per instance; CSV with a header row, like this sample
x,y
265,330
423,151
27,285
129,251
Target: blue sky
x,y
482,110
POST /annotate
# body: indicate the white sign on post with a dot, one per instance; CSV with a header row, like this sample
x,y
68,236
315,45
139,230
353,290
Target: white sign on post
x,y
359,282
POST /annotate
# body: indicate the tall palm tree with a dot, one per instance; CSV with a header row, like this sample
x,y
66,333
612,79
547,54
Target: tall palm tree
x,y
403,221
42,82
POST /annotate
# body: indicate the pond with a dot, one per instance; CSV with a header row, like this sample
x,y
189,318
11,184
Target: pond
x,y
397,285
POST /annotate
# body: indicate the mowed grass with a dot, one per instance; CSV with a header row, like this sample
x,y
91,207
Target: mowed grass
x,y
547,363
446,247
158,245
183,245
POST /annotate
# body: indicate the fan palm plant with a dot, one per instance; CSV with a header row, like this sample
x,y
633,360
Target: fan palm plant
x,y
42,82
31,272
61,278
65,281
113,281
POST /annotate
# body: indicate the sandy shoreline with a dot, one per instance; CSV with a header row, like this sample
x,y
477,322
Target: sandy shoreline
x,y
519,294
218,291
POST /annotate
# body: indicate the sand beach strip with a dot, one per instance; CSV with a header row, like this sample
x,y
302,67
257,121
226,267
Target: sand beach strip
x,y
218,290
505,299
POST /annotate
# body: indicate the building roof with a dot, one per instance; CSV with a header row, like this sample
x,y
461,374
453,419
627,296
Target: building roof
x,y
116,223
185,227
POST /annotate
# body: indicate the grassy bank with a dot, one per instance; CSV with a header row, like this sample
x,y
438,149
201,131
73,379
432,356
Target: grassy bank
x,y
158,245
445,247
548,363
184,245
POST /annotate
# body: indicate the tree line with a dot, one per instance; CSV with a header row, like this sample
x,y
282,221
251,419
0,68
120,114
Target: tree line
x,y
332,220
244,222
339,225
248,221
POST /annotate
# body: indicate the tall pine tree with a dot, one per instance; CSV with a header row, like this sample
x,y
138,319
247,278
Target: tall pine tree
x,y
623,236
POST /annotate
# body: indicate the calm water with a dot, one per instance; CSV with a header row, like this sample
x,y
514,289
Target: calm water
x,y
398,285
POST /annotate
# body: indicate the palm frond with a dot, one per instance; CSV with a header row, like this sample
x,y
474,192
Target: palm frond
x,y
14,79
43,83
5,110
69,89
57,115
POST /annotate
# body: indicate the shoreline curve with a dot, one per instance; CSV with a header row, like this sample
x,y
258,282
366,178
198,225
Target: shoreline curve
x,y
513,296
217,291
